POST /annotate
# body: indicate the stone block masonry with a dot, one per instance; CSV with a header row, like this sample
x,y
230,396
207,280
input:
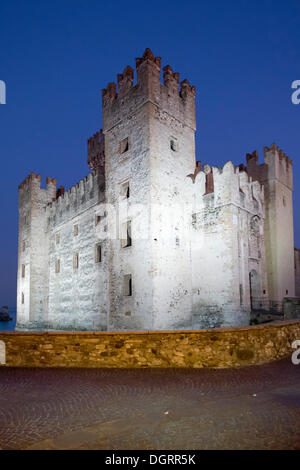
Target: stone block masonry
x,y
219,348
198,246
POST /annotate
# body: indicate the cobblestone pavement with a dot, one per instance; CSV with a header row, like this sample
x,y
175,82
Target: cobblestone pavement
x,y
256,407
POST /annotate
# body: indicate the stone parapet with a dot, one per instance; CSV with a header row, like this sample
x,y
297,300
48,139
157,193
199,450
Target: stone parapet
x,y
219,348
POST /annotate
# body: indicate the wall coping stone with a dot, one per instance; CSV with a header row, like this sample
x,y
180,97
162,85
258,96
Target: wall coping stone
x,y
149,332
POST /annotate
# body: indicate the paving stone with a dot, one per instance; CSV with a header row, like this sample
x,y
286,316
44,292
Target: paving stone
x,y
256,407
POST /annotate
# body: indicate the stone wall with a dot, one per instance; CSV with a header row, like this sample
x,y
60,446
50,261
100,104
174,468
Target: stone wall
x,y
291,308
63,297
227,244
205,348
77,297
33,243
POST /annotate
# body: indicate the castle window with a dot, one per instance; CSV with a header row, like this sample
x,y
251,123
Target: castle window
x,y
284,201
124,145
174,145
241,294
75,230
57,238
23,246
22,298
286,292
126,234
125,191
127,285
75,260
57,266
23,270
98,253
100,217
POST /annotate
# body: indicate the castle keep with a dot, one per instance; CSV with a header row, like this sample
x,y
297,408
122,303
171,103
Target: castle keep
x,y
151,239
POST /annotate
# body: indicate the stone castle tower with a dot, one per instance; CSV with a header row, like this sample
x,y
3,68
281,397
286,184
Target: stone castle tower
x,y
150,240
276,175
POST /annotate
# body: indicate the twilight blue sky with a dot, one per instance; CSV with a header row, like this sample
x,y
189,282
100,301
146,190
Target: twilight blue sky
x,y
56,56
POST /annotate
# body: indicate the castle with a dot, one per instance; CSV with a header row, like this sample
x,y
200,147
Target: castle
x,y
151,239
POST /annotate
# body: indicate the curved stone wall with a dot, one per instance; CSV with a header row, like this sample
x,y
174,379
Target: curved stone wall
x,y
220,348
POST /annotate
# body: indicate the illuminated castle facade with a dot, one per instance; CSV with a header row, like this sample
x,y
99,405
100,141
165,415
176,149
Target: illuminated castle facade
x,y
151,239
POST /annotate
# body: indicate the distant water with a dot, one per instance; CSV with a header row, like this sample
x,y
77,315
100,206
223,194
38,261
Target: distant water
x,y
9,325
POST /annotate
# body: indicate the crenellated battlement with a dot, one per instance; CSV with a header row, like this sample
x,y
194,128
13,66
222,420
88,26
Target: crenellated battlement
x,y
277,166
280,166
277,152
33,178
83,187
252,157
148,57
187,90
78,198
171,79
229,184
109,94
122,99
27,181
30,189
125,80
96,153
